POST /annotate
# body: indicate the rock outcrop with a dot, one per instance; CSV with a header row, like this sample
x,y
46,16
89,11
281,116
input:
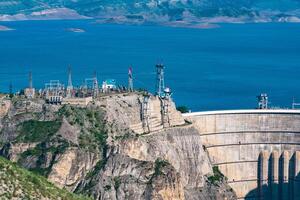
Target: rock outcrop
x,y
4,107
138,114
113,149
18,183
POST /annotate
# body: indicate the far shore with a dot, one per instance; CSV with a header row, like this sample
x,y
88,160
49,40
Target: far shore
x,y
5,28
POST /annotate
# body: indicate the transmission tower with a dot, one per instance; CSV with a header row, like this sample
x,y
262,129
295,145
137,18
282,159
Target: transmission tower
x,y
95,85
160,81
130,80
30,91
70,84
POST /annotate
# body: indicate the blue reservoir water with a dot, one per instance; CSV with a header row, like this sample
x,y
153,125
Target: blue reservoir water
x,y
207,69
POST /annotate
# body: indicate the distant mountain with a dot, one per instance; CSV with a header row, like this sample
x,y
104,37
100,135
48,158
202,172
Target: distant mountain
x,y
154,10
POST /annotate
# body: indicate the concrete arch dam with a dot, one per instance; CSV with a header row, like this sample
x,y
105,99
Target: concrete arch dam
x,y
257,150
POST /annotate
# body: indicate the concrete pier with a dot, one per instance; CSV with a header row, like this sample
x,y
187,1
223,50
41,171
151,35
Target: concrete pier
x,y
284,183
263,164
296,184
275,175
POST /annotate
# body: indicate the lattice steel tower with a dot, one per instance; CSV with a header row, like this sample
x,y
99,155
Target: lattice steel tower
x,y
70,84
160,80
95,85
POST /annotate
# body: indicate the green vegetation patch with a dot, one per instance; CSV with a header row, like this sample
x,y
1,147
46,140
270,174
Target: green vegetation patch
x,y
117,182
217,177
159,165
127,136
81,116
183,109
93,134
107,187
100,165
92,124
22,184
37,131
40,152
73,114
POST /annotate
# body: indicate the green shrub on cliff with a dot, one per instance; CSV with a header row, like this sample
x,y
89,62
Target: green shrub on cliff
x,y
183,109
217,177
19,183
117,182
40,152
37,131
159,164
74,115
91,123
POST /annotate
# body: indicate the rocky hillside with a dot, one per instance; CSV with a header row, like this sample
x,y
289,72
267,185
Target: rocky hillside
x,y
154,10
17,183
112,149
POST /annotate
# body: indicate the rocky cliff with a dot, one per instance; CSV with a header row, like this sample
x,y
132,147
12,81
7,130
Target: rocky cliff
x,y
118,147
18,183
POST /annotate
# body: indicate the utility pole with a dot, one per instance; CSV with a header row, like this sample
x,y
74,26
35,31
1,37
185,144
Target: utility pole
x,y
130,80
160,81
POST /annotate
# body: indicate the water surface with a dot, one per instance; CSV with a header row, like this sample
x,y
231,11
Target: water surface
x,y
207,69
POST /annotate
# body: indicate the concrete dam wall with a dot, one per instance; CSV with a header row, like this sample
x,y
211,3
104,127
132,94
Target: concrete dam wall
x,y
257,150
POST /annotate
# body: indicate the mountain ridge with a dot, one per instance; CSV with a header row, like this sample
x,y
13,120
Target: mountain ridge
x,y
154,10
